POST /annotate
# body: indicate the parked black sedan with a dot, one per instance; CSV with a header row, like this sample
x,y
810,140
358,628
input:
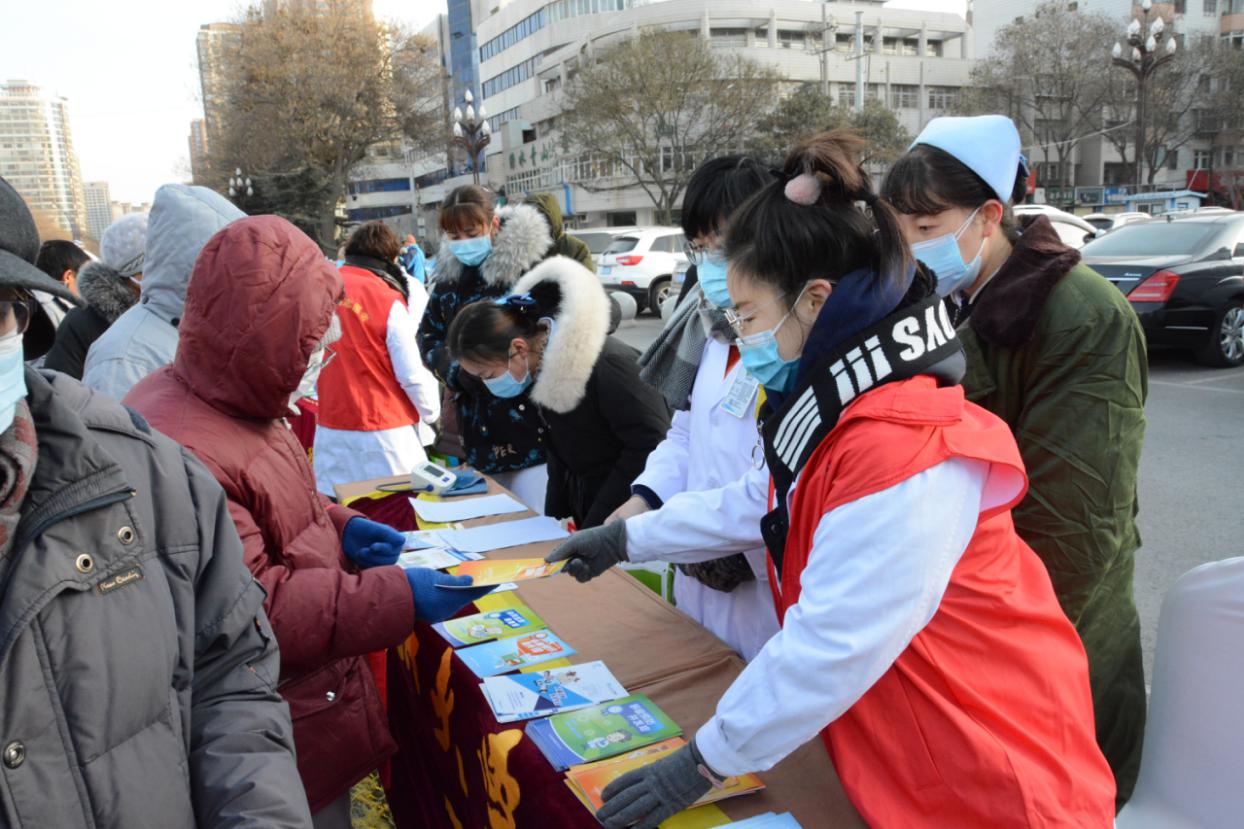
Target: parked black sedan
x,y
1184,275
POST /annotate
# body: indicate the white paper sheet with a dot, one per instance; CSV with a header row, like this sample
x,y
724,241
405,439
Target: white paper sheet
x,y
436,558
464,509
505,534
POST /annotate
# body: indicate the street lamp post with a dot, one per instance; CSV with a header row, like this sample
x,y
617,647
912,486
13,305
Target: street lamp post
x,y
471,131
240,185
1146,56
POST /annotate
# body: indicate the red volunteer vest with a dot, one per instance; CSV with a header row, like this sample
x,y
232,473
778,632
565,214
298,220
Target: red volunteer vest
x,y
358,390
985,720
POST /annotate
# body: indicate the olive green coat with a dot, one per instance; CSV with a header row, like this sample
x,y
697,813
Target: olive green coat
x,y
1057,352
563,243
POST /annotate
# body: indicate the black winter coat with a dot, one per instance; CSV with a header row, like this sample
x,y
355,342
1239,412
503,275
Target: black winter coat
x,y
598,448
107,295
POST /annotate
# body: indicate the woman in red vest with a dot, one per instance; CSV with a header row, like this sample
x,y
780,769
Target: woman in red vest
x,y
376,390
920,636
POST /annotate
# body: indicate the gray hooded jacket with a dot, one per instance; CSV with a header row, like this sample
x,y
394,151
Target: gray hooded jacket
x,y
137,667
144,338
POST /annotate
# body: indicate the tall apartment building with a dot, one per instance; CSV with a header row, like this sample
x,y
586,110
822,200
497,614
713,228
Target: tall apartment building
x,y
37,155
212,45
198,149
98,208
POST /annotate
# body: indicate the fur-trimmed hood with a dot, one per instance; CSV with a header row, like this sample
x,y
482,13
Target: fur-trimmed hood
x,y
521,242
572,297
105,290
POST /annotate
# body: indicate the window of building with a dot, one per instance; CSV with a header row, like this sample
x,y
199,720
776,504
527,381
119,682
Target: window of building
x,y
900,46
519,31
791,38
1171,158
903,96
728,37
1210,7
497,120
1200,159
943,97
514,75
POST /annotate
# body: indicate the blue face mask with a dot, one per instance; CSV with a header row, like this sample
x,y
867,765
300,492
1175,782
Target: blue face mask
x,y
760,356
471,251
12,378
712,275
942,257
504,384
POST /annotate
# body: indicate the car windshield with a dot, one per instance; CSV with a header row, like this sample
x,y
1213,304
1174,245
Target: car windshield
x,y
622,244
1155,239
596,242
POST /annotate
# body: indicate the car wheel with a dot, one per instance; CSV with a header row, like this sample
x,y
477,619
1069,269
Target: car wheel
x,y
658,293
1225,347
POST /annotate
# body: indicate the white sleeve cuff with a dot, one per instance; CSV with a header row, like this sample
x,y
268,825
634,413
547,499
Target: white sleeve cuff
x,y
717,754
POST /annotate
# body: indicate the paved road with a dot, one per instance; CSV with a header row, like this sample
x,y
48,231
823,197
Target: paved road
x,y
1191,475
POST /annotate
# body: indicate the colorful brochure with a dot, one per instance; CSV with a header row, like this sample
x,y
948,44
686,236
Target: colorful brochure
x,y
589,781
515,652
769,820
487,573
543,692
603,731
494,624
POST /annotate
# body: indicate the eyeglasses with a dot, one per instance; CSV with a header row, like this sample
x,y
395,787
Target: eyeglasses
x,y
737,320
22,308
696,253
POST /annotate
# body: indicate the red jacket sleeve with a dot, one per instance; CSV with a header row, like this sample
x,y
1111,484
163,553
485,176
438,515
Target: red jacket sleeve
x,y
321,614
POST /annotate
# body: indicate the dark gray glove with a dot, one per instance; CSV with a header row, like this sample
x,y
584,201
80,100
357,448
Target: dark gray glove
x,y
588,553
647,796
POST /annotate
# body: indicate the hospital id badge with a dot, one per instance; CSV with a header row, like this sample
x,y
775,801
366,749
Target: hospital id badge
x,y
742,392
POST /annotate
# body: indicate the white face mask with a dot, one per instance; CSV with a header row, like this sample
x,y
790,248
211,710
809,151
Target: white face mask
x,y
12,378
315,364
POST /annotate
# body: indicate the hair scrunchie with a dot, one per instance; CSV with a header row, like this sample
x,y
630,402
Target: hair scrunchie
x,y
804,189
523,303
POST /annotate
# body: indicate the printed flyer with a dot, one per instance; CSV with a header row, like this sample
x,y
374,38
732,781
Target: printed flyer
x,y
608,730
510,654
544,692
494,624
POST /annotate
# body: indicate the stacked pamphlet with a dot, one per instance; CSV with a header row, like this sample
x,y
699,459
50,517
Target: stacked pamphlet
x,y
769,820
512,620
514,653
590,734
588,782
541,693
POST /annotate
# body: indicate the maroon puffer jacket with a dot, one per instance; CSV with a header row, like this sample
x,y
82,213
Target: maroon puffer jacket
x,y
260,299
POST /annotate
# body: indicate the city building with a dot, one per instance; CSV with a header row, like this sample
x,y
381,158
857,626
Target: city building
x,y
212,45
198,149
524,50
98,208
37,155
124,208
1102,179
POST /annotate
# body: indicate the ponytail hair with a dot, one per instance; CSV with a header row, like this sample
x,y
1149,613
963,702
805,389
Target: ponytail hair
x,y
482,331
809,223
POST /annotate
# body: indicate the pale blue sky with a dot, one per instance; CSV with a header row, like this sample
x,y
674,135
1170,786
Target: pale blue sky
x,y
128,70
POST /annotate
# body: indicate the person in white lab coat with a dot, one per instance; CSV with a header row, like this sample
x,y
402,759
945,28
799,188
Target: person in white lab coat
x,y
713,438
920,637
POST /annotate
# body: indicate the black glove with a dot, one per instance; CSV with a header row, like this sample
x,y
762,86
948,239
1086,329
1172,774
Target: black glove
x,y
645,797
588,553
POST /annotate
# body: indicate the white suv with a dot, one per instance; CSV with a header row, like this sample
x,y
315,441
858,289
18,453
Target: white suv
x,y
598,239
641,263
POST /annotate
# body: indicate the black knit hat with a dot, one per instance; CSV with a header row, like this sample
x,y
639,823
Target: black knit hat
x,y
19,247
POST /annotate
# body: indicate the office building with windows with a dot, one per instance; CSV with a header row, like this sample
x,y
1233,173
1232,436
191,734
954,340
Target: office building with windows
x,y
98,208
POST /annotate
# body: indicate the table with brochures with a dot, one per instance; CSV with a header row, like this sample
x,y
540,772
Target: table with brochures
x,y
457,767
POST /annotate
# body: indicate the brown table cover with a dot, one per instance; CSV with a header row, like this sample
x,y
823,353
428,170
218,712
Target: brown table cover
x,y
458,768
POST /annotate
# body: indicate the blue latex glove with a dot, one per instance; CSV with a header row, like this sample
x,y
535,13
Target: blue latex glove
x,y
371,544
436,604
